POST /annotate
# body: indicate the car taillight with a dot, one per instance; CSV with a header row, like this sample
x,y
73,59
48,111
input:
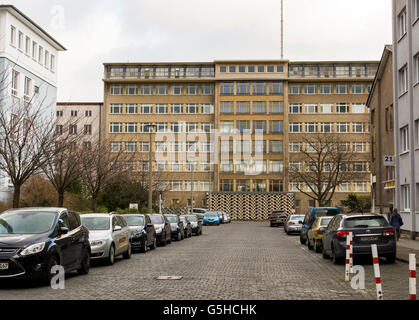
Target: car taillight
x,y
319,232
291,223
271,217
342,234
389,232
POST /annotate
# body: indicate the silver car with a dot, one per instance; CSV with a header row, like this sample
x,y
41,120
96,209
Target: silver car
x,y
227,217
109,236
292,225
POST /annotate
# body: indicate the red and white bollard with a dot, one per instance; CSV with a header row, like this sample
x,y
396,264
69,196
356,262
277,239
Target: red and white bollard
x,y
347,260
351,252
412,276
377,272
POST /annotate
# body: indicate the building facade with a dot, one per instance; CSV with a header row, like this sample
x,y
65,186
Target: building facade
x,y
406,109
380,102
232,126
28,68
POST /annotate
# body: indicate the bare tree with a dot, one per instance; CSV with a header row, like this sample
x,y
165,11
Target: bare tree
x,y
322,165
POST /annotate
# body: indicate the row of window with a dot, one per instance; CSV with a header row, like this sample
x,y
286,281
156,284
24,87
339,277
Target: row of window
x,y
253,88
251,185
333,71
161,127
165,166
152,72
73,129
32,49
328,127
329,88
148,89
252,167
257,107
190,108
74,113
355,166
358,186
327,108
402,18
252,69
28,88
179,185
358,147
403,76
255,126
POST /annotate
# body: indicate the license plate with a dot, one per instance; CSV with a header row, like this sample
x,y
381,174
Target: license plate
x,y
4,266
369,239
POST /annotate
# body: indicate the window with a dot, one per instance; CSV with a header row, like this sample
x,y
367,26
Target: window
x,y
13,35
358,108
403,80
280,69
295,186
28,46
205,185
162,127
176,185
406,197
342,89
226,185
88,129
46,64
295,89
73,129
311,147
344,187
131,127
326,108
130,147
115,127
144,146
223,69
176,108
275,126
192,90
15,83
310,108
404,136
259,126
131,109
358,127
144,166
311,127
176,127
147,90
74,113
259,186
360,187
116,109
177,90
243,88
27,89
192,146
326,127
191,166
207,109
116,90
161,166
227,126
295,147
389,118
59,129
326,88
296,108
358,88
226,146
261,68
359,147
243,126
276,166
206,167
310,89
207,147
20,41
40,55
270,69
60,113
160,146
146,109
207,89
259,88
226,107
296,127
417,66
176,166
35,50
276,88
342,107
402,23
131,90
227,88
276,107
342,127
360,166
192,108
275,146
88,113
162,109
207,127
344,147
416,9
242,69
295,166
243,185
162,90
116,146
192,127
259,107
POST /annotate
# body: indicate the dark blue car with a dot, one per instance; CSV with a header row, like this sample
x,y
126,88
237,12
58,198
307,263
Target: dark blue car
x,y
311,215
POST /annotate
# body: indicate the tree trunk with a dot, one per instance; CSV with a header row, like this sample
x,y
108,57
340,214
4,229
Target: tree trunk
x,y
93,204
16,197
60,198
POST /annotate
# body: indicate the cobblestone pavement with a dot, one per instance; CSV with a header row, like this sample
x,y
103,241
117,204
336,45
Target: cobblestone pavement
x,y
241,260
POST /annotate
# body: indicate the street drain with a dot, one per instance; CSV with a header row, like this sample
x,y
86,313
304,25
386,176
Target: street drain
x,y
169,278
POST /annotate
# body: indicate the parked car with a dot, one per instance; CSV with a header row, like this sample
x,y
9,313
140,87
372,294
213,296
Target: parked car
x,y
176,226
311,215
227,217
196,224
109,236
315,234
187,226
367,229
292,224
34,240
143,235
211,218
277,218
200,212
162,228
220,216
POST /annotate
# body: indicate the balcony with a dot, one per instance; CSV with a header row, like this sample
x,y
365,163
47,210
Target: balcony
x,y
336,71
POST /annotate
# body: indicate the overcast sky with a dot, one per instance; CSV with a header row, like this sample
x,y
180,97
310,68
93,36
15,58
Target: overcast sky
x,y
97,31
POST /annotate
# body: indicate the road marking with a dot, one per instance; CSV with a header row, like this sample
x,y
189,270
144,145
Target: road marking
x,y
169,278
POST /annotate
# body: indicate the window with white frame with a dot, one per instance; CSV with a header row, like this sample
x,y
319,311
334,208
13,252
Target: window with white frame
x,y
296,127
145,127
403,80
191,146
207,127
176,146
360,187
160,146
46,63
226,126
176,166
131,90
35,51
73,129
176,185
207,109
146,109
295,166
404,137
360,166
358,108
295,147
144,146
326,88
206,166
116,146
276,166
73,113
191,166
205,185
207,147
27,90
20,40
189,186
176,127
177,90
162,109
226,166
192,90
311,147
131,127
144,166
359,147
162,127
416,9
402,23
176,108
417,66
52,64
405,190
130,146
295,89
342,88
116,109
15,83
207,89
344,147
342,107
28,46
358,88
192,108
326,108
311,127
162,90
310,108
326,127
13,35
116,89
344,187
161,166
296,108
146,90
342,127
310,88
295,186
192,127
358,127
131,109
40,54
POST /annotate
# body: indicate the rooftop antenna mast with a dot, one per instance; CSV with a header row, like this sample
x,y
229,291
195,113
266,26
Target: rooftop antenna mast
x,y
282,29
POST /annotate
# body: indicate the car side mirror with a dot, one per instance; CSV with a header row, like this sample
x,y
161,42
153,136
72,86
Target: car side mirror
x,y
64,230
117,228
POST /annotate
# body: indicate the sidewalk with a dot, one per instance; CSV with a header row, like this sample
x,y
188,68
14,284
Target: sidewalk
x,y
406,246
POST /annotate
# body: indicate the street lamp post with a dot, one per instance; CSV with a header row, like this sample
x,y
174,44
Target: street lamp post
x,y
150,128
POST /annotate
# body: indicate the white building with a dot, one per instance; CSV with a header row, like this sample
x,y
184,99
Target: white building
x,y
28,66
406,109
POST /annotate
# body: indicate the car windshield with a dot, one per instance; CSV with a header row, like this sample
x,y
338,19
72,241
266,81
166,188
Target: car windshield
x,y
325,213
183,219
96,223
26,222
134,221
157,219
297,218
276,213
325,221
172,219
365,222
211,214
192,218
198,211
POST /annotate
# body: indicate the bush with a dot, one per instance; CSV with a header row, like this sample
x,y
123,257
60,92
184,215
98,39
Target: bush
x,y
356,201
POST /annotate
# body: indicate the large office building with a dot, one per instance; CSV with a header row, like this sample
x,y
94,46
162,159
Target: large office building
x,y
235,126
28,68
406,109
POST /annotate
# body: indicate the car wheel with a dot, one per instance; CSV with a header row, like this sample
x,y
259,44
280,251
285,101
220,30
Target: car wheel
x,y
179,236
324,254
335,259
316,248
85,263
127,254
52,261
144,247
303,241
310,247
154,245
111,258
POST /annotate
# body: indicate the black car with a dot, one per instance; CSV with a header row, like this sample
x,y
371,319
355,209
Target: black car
x,y
143,234
367,229
176,226
162,228
187,225
33,240
277,218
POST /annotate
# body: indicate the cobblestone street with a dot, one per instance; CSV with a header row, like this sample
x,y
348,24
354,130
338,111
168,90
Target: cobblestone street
x,y
241,260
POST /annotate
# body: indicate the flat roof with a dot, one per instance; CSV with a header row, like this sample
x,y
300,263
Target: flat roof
x,y
78,103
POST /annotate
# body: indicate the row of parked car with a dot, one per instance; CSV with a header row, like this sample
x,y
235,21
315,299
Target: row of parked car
x,y
34,240
325,230
212,217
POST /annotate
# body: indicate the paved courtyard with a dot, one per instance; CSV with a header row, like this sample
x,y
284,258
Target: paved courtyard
x,y
241,260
